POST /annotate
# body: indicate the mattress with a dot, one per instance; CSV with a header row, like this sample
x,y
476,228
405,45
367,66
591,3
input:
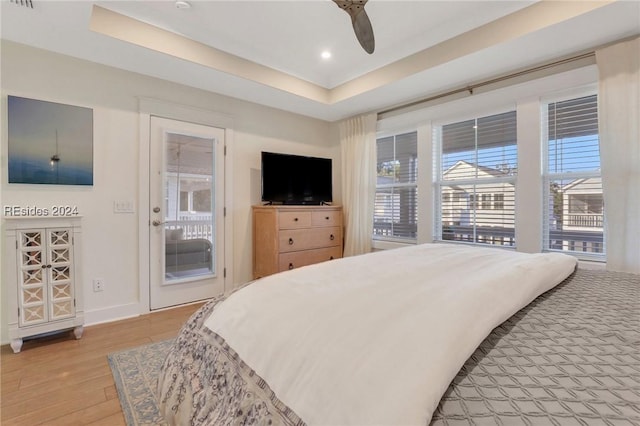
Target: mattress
x,y
569,357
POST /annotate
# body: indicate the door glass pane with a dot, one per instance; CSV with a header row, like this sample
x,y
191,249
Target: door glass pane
x,y
189,213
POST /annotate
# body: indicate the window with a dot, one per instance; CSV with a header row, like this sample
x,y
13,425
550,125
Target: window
x,y
202,200
486,201
184,201
190,194
396,212
477,163
472,200
498,201
574,215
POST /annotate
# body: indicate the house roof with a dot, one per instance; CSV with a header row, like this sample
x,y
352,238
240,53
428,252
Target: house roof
x,y
268,51
584,184
483,169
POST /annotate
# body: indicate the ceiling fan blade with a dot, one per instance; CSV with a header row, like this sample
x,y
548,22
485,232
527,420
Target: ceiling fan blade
x,y
360,22
364,31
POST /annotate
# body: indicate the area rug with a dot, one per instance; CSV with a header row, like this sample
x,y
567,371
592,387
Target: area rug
x,y
135,372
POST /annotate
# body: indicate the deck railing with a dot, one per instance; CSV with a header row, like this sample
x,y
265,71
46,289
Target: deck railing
x,y
584,220
192,229
568,240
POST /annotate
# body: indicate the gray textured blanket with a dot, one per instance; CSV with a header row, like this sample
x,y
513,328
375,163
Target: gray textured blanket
x,y
571,357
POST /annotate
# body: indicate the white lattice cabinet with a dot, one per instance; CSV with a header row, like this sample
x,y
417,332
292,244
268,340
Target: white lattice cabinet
x,y
42,274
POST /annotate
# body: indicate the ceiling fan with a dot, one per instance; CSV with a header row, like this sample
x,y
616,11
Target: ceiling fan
x,y
360,22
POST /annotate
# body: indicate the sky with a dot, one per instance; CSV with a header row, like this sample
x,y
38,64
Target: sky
x,y
33,125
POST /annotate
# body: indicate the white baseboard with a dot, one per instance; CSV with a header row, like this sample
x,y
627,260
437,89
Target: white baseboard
x,y
110,314
97,316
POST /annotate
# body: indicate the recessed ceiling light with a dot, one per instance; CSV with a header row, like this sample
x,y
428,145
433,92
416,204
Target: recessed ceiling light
x,y
180,4
325,54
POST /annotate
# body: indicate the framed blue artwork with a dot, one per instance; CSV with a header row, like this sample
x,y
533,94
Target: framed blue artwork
x,y
49,143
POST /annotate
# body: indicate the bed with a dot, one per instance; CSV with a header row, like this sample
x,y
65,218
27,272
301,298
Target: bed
x,y
434,334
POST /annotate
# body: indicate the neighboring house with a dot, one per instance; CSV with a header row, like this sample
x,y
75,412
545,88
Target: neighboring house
x,y
488,210
465,204
390,220
467,207
583,215
582,205
383,208
477,204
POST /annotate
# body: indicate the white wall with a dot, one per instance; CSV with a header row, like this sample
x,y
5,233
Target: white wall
x,y
111,240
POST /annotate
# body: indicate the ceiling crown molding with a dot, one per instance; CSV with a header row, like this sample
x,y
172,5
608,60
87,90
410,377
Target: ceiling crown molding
x,y
133,31
525,21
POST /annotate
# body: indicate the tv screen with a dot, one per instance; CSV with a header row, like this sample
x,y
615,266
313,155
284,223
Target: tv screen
x,y
295,179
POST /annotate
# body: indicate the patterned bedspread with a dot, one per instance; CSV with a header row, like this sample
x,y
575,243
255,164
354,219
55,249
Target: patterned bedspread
x,y
571,357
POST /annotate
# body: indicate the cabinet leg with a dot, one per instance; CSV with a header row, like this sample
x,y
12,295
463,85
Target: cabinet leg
x,y
78,332
16,345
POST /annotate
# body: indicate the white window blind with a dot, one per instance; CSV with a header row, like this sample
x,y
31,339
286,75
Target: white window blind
x,y
574,214
396,212
477,168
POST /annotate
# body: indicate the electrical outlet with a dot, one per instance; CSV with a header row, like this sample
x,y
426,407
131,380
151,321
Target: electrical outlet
x,y
98,284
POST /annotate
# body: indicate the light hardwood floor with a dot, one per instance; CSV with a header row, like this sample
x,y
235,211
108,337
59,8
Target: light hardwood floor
x,y
62,381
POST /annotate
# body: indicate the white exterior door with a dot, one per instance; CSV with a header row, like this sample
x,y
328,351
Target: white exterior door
x,y
186,229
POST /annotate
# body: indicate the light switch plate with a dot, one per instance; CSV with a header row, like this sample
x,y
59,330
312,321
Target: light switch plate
x,y
123,206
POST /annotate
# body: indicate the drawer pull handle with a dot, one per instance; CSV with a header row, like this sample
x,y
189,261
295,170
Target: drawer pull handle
x,y
331,237
327,217
291,266
331,258
290,241
295,219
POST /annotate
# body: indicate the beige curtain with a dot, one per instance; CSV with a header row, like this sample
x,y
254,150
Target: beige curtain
x,y
358,143
619,121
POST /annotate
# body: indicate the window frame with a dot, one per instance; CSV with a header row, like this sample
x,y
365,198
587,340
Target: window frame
x,y
474,199
549,177
398,185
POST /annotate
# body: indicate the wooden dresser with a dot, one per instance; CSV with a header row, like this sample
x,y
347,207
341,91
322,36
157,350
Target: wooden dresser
x,y
287,237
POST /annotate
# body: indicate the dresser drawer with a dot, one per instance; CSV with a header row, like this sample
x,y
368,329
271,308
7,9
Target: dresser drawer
x,y
304,239
294,219
285,236
326,218
307,257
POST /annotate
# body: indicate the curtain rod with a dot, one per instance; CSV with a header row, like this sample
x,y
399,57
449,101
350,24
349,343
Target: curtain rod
x,y
410,106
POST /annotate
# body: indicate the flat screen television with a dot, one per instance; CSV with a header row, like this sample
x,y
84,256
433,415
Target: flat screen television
x,y
296,179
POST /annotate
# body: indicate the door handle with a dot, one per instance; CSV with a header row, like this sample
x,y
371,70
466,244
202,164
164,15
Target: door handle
x,y
157,223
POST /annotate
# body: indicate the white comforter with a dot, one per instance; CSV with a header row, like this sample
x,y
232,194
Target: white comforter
x,y
376,339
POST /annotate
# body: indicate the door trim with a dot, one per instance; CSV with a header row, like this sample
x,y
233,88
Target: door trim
x,y
148,107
